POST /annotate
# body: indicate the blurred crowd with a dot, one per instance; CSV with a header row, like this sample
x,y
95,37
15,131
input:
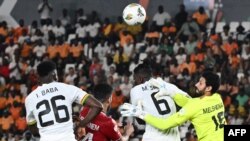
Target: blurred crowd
x,y
89,50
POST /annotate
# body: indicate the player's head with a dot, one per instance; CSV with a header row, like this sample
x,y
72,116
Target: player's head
x,y
209,83
102,92
142,72
47,71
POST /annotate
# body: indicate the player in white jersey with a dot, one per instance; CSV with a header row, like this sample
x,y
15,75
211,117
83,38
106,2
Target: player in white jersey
x,y
144,92
49,106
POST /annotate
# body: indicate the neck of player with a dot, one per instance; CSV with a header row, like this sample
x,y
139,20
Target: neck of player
x,y
46,80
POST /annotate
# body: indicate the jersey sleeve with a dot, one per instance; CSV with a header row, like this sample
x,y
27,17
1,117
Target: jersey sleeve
x,y
79,96
111,131
180,97
134,96
185,114
30,117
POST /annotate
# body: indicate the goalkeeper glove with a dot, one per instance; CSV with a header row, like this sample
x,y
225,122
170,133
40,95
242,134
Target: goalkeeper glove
x,y
161,85
128,110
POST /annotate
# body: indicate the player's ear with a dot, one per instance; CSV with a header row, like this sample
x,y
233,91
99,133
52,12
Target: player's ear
x,y
141,79
54,75
209,88
109,100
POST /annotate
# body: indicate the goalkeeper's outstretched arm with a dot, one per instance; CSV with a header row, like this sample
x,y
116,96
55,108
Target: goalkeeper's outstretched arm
x,y
174,120
181,99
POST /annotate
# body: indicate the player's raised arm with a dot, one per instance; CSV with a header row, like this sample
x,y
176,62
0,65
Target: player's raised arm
x,y
95,108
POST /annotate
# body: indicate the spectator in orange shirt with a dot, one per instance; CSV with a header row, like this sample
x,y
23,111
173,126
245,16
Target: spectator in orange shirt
x,y
213,37
190,66
117,99
152,34
95,68
3,101
201,18
3,29
204,43
76,50
229,46
52,50
6,122
20,123
21,29
63,48
26,49
234,59
15,110
125,38
197,56
107,27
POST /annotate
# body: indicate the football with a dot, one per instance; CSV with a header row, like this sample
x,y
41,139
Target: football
x,y
134,14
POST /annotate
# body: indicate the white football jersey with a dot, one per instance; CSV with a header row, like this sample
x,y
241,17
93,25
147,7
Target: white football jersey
x,y
50,106
162,108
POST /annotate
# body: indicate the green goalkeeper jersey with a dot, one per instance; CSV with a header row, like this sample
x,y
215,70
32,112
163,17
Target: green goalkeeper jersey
x,y
206,114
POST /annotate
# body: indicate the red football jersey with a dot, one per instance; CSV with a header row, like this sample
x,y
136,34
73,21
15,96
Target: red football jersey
x,y
102,128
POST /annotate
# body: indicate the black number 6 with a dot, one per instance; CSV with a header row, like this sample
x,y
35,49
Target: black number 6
x,y
158,102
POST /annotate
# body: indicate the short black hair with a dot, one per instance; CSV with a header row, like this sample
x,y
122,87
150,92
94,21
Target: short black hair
x,y
212,80
45,67
144,69
102,92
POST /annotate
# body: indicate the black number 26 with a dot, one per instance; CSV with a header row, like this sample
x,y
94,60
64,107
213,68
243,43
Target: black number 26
x,y
157,104
55,109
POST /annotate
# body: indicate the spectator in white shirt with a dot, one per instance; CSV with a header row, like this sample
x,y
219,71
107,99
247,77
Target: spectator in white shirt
x,y
81,31
101,49
129,49
161,17
59,29
80,15
181,56
71,76
15,68
152,47
46,29
126,86
44,8
10,49
38,35
23,37
40,49
177,45
65,19
93,28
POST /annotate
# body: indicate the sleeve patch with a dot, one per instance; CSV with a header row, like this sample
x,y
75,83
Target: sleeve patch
x,y
84,99
32,122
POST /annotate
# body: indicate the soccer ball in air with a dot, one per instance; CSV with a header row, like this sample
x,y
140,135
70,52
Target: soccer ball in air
x,y
134,14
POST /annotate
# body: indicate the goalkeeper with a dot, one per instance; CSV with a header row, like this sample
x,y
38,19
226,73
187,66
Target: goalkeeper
x,y
205,111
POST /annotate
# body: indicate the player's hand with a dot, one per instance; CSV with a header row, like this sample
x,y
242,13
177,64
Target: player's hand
x,y
128,110
129,129
75,118
160,84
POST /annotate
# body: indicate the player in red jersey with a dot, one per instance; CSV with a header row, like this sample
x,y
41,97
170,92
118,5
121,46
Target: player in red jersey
x,y
103,128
